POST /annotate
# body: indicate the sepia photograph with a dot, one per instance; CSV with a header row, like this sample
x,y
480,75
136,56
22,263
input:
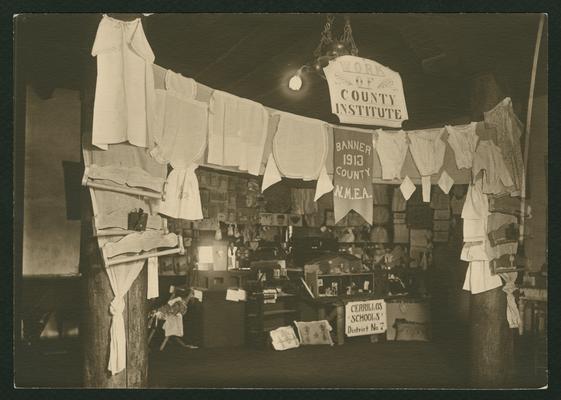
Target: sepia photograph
x,y
280,200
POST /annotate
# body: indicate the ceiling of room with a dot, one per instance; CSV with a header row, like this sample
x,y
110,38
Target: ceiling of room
x,y
253,55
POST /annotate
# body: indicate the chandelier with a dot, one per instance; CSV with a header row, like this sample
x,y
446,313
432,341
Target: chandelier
x,y
327,50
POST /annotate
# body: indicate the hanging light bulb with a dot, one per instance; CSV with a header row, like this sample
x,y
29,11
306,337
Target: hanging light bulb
x,y
295,83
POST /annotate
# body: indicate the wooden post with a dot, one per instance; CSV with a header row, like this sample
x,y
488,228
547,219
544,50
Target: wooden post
x,y
96,323
491,343
491,340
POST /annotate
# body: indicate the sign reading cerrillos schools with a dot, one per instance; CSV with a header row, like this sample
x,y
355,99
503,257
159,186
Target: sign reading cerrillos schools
x,y
365,317
365,92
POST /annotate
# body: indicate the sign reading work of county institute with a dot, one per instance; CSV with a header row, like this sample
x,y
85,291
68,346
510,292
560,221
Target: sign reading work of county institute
x,y
365,317
366,93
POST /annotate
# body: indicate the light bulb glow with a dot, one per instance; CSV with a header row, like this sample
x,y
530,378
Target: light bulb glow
x,y
295,83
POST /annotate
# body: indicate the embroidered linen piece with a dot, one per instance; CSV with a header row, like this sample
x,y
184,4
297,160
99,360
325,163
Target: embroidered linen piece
x,y
300,146
392,149
182,196
496,178
314,332
463,140
237,131
427,150
124,94
509,131
180,126
284,338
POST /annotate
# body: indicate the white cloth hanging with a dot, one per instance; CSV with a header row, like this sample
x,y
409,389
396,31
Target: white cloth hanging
x,y
496,178
392,150
124,94
182,197
181,123
479,278
237,132
427,150
512,312
463,141
153,278
121,278
300,146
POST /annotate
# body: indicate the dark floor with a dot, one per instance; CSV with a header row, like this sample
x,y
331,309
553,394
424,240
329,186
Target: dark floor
x,y
357,364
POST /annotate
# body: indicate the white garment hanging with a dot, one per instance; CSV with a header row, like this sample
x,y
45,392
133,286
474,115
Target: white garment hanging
x,y
489,158
300,146
182,197
463,140
181,123
153,278
475,213
392,150
124,94
237,132
427,150
512,312
479,278
121,278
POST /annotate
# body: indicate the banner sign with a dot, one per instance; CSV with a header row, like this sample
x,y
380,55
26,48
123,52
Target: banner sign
x,y
352,173
366,93
365,317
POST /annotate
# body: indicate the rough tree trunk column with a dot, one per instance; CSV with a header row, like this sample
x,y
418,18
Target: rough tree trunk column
x,y
491,340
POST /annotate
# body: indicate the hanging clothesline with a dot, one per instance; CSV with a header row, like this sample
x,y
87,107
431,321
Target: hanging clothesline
x,y
460,176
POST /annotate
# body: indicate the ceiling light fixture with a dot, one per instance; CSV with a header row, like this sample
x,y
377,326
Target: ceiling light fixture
x,y
327,50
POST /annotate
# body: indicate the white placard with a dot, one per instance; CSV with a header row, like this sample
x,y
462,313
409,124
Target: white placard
x,y
198,294
365,92
365,317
